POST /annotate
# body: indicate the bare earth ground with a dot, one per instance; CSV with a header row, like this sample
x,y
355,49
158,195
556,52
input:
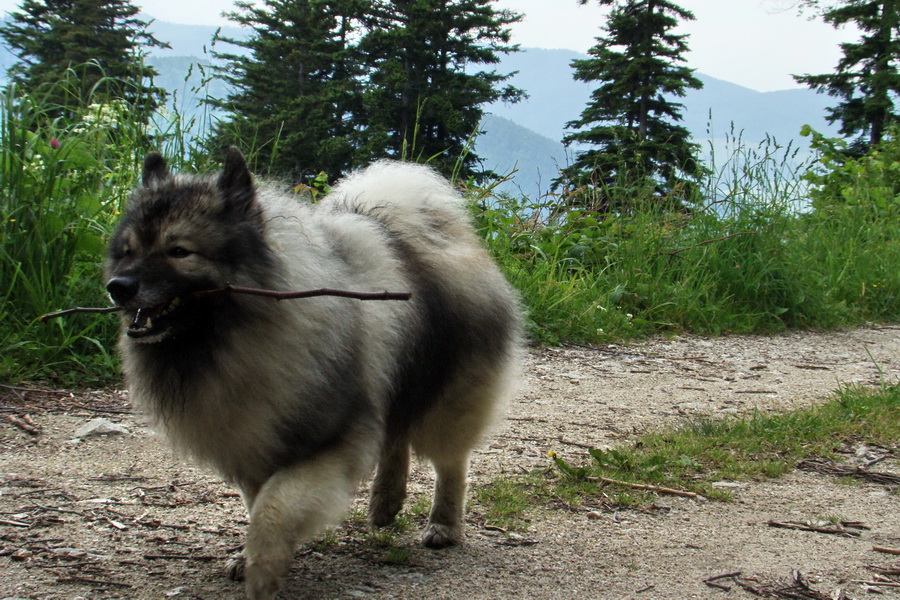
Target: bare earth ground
x,y
119,516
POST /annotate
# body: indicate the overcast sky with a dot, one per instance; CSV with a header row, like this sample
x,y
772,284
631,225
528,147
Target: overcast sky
x,y
755,43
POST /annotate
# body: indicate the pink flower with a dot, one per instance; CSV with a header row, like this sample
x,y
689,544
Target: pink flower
x,y
54,143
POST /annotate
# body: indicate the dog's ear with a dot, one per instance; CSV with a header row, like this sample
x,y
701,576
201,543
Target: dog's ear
x,y
154,168
236,182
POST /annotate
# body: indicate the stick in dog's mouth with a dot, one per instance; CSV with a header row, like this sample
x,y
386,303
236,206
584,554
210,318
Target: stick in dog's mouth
x,y
143,317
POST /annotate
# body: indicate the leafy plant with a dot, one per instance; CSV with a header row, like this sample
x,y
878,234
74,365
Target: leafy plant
x,y
61,185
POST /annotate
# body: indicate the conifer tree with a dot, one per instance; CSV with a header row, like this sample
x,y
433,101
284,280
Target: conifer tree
x,y
102,42
867,79
430,77
630,123
295,95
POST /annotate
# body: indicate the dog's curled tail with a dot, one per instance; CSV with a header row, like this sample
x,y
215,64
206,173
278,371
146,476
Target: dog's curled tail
x,y
404,195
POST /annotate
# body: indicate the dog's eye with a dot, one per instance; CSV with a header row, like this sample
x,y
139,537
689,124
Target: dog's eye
x,y
178,252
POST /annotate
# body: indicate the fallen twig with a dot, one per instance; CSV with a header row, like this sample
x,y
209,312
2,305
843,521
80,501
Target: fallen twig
x,y
14,523
646,486
75,579
829,468
201,557
838,529
562,440
892,584
894,551
711,581
236,289
23,424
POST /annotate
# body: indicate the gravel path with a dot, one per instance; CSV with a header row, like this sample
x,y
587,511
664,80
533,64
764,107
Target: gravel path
x,y
119,516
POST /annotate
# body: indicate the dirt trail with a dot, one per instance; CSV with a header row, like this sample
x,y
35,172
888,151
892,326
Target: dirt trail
x,y
119,516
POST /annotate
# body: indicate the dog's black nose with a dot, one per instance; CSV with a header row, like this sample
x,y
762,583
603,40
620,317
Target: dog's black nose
x,y
122,289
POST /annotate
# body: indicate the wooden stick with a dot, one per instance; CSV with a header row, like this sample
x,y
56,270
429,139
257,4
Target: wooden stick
x,y
79,309
894,551
711,581
21,424
200,557
806,527
76,579
645,486
876,583
236,289
14,523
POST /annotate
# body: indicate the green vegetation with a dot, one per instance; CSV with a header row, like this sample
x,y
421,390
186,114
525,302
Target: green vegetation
x,y
62,185
752,257
702,452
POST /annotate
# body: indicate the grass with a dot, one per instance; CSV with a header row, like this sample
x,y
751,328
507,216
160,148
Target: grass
x,y
750,257
63,182
702,452
59,189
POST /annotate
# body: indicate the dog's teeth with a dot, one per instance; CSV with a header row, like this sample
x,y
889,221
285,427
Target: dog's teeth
x,y
149,324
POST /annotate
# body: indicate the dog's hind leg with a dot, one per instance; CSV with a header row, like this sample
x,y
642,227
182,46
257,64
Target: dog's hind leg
x,y
389,487
445,523
294,505
447,437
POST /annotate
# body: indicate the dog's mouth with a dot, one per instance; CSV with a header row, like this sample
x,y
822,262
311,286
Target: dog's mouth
x,y
155,321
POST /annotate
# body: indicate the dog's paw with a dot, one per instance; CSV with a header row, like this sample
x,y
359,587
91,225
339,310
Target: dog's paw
x,y
262,581
381,515
235,569
384,506
437,535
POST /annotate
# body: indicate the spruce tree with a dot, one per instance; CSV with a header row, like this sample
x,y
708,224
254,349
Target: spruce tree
x,y
866,79
82,51
295,95
429,78
631,120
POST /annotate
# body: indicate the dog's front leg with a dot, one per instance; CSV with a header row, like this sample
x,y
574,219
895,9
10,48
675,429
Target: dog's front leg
x,y
292,506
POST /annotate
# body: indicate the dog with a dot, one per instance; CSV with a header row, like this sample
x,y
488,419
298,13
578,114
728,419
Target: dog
x,y
297,402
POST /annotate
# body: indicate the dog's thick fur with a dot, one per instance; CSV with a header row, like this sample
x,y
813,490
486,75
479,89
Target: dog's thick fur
x,y
297,401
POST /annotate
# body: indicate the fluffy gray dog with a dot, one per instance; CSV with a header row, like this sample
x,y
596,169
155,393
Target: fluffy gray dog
x,y
297,401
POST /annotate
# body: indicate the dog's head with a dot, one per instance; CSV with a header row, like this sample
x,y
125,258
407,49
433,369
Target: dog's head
x,y
182,234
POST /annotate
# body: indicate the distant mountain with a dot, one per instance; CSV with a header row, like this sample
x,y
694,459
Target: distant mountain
x,y
710,112
191,40
506,147
555,98
719,110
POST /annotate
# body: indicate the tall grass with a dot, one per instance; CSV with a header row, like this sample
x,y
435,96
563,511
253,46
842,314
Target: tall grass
x,y
750,257
61,183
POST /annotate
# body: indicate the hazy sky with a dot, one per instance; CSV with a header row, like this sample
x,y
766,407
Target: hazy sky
x,y
755,43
